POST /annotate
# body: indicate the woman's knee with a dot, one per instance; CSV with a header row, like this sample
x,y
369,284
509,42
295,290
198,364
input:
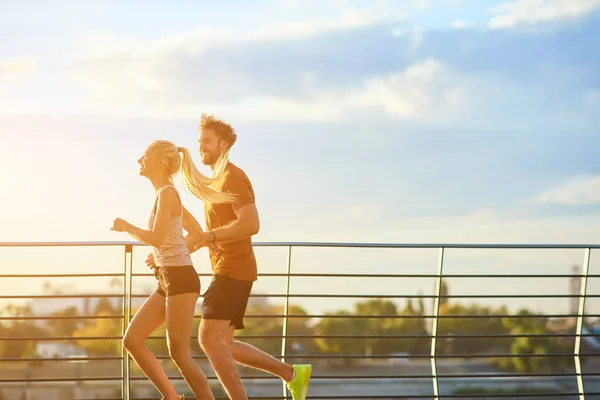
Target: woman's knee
x,y
179,350
132,343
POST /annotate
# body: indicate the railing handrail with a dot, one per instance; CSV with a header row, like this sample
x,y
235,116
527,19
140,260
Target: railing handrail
x,y
540,246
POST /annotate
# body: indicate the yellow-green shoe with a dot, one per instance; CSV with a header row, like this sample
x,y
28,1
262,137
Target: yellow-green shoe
x,y
298,387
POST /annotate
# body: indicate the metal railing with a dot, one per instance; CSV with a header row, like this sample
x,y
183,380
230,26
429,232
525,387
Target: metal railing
x,y
434,337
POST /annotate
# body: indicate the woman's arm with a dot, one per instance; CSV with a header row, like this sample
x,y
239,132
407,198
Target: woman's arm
x,y
167,200
193,229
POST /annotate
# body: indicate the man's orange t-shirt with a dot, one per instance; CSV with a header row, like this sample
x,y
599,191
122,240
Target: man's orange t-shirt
x,y
234,259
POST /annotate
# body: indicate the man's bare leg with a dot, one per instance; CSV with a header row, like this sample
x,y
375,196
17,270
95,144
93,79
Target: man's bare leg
x,y
212,336
250,356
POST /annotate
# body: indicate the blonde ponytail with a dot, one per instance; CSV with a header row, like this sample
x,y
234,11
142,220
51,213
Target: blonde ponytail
x,y
198,184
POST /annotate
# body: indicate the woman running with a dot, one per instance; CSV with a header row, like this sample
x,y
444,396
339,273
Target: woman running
x,y
178,288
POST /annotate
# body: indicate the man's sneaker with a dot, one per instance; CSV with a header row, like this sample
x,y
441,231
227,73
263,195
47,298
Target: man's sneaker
x,y
298,386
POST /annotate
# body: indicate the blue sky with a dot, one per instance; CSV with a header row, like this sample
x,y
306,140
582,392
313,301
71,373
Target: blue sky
x,y
433,121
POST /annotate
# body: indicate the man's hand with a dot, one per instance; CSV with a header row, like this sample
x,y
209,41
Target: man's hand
x,y
150,261
205,239
119,225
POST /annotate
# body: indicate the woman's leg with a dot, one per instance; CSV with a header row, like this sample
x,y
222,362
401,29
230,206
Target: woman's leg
x,y
149,317
180,321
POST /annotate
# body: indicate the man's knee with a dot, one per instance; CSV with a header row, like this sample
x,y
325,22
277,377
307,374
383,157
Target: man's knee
x,y
209,338
228,340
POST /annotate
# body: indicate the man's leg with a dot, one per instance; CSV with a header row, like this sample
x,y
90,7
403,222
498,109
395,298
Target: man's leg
x,y
250,356
212,334
297,377
217,311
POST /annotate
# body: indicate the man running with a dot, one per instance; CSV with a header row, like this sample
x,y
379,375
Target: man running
x,y
229,229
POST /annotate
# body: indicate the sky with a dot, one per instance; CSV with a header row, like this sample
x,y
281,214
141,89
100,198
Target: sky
x,y
418,121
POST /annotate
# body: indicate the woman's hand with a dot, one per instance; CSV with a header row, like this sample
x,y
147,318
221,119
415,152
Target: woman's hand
x,y
119,225
150,261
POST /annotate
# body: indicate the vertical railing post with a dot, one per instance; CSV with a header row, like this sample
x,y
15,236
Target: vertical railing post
x,y
434,325
286,305
127,285
580,321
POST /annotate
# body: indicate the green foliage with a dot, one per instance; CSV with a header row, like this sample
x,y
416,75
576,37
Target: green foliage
x,y
394,325
16,329
101,327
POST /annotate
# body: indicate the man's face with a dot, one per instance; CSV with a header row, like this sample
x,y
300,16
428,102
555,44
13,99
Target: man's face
x,y
210,146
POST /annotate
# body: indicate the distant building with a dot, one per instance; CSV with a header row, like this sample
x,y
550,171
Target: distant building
x,y
57,350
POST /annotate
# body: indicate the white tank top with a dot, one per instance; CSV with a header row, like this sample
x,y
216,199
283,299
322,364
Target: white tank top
x,y
173,252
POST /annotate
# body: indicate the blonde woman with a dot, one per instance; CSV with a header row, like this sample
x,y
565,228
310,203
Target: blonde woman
x,y
178,288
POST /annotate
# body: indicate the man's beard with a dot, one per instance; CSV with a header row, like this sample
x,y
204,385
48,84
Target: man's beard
x,y
210,159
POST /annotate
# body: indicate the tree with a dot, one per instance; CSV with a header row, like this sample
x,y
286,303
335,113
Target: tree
x,y
274,327
66,326
388,323
102,327
520,346
17,329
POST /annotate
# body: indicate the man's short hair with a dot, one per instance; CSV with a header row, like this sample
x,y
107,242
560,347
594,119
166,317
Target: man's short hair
x,y
223,130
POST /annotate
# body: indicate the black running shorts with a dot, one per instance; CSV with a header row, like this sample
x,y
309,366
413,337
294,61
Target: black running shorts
x,y
226,298
177,280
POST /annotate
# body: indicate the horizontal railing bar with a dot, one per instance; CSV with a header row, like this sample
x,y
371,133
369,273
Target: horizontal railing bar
x,y
412,316
43,318
513,395
318,295
71,244
307,275
403,296
63,296
408,356
318,377
63,359
403,396
318,356
417,376
44,380
115,275
454,296
375,275
357,336
327,245
62,338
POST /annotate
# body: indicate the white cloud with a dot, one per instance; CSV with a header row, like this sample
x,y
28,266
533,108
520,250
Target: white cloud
x,y
415,36
294,30
479,226
15,68
580,191
104,44
515,13
459,24
427,89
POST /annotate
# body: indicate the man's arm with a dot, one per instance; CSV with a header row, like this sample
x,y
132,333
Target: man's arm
x,y
247,221
193,229
246,225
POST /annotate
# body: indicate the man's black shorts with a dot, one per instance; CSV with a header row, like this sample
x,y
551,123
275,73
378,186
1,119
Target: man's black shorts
x,y
226,298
